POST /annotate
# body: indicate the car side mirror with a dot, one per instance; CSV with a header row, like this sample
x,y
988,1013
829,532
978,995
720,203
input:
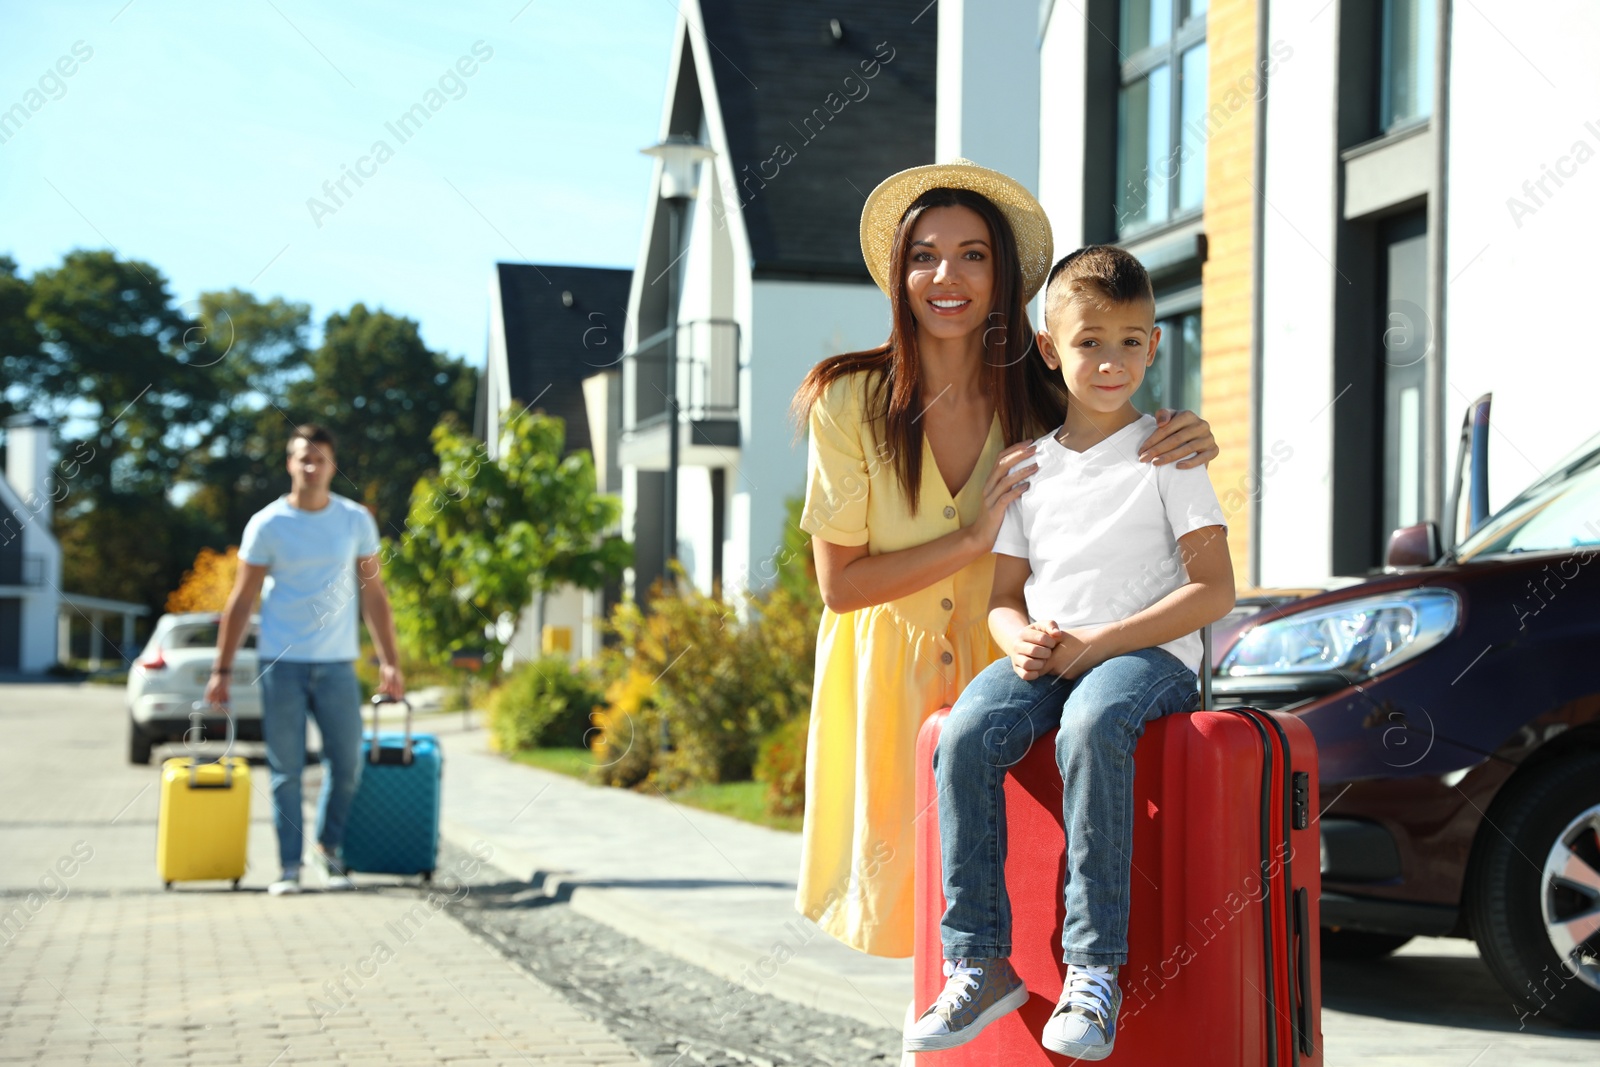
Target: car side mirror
x,y
1414,546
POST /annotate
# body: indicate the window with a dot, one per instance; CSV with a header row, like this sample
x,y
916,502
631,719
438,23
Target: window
x,y
1173,380
1403,348
1405,67
1161,112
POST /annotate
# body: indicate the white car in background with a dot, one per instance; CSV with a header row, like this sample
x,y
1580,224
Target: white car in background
x,y
169,679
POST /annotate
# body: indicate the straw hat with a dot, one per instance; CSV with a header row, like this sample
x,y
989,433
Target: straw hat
x,y
888,202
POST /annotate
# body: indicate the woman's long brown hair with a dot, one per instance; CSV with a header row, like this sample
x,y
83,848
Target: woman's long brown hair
x,y
1029,399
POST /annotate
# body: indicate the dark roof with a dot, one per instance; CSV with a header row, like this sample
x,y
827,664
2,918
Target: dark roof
x,y
552,347
775,65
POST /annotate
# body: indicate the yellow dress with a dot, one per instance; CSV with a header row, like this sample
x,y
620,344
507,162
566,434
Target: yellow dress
x,y
880,672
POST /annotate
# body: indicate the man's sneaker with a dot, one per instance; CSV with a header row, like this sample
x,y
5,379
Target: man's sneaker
x,y
976,994
288,882
1084,1024
338,879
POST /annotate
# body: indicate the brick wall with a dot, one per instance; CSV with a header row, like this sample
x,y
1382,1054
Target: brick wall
x,y
1225,300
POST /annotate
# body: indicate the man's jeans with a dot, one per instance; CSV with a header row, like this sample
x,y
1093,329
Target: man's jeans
x,y
329,691
1101,715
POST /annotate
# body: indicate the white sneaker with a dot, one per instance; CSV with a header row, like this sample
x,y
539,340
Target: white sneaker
x,y
1084,1024
338,879
288,883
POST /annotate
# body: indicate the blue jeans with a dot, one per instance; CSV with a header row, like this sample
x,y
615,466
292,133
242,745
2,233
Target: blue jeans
x,y
1101,715
329,691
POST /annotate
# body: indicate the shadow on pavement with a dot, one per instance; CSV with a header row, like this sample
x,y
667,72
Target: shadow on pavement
x,y
550,888
1435,990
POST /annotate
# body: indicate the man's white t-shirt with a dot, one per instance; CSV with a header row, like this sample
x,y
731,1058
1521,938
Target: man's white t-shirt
x,y
310,602
1100,531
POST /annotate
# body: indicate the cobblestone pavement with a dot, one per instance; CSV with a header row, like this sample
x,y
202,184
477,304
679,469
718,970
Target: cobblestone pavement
x,y
668,1011
98,965
215,977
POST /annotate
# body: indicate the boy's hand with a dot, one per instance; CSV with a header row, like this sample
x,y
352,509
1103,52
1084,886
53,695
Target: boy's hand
x,y
1075,652
1032,650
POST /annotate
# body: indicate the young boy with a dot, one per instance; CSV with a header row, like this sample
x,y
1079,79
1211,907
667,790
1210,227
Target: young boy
x,y
1105,571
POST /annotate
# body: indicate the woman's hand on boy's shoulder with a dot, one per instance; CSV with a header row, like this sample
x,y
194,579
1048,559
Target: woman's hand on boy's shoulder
x,y
1182,436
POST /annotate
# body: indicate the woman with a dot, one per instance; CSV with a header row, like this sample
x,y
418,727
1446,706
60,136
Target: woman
x,y
907,484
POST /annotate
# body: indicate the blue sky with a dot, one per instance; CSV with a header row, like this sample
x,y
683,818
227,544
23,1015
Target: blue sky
x,y
194,134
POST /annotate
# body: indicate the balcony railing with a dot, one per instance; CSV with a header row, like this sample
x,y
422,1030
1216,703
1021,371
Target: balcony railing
x,y
707,358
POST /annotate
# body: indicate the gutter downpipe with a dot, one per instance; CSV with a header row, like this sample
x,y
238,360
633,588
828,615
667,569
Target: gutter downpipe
x,y
1258,259
1434,446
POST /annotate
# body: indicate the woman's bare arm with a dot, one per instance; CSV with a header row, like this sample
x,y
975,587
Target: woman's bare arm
x,y
852,578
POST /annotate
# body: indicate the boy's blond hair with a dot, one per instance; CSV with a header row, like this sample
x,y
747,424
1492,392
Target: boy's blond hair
x,y
1103,276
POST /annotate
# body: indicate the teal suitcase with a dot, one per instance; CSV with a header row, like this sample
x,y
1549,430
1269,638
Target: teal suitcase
x,y
394,820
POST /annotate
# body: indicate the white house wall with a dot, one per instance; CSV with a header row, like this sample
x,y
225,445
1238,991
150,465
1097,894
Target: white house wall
x,y
793,325
988,100
497,370
1298,298
1524,107
1062,89
41,604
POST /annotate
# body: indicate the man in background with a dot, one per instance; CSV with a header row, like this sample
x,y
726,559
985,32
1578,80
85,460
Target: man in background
x,y
312,555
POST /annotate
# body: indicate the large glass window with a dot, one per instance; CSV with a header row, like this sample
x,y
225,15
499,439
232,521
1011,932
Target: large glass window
x,y
1161,112
1405,91
1173,380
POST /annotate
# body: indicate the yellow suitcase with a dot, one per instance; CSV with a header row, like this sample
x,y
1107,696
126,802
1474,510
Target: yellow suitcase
x,y
204,825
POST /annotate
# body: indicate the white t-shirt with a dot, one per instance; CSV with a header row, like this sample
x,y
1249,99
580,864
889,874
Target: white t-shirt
x,y
310,602
1100,531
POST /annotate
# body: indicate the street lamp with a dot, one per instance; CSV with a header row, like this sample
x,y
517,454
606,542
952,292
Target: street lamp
x,y
679,154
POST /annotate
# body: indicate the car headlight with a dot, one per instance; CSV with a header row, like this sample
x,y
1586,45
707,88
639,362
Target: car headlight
x,y
1358,638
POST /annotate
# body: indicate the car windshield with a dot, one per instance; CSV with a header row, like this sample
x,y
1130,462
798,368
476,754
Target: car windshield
x,y
202,635
1559,511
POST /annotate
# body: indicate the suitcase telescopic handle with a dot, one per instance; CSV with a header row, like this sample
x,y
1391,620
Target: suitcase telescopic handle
x,y
198,709
1205,668
379,699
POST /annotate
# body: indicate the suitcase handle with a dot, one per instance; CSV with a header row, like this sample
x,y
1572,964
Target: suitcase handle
x,y
380,699
197,709
1205,667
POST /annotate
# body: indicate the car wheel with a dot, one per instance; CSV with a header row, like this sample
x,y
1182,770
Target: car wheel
x,y
1535,903
1359,944
139,745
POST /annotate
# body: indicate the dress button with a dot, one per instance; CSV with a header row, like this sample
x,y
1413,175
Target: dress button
x,y
946,604
949,512
945,657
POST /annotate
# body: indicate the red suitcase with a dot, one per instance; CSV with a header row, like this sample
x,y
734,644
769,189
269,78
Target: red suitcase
x,y
1218,972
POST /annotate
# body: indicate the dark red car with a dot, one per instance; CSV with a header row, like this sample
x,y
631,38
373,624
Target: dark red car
x,y
1456,709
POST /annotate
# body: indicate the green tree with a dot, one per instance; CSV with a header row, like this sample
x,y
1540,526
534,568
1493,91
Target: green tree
x,y
257,348
381,391
483,536
20,355
120,358
123,375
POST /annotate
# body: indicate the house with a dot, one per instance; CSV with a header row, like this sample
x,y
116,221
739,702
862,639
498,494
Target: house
x,y
1350,213
750,269
550,328
37,617
30,558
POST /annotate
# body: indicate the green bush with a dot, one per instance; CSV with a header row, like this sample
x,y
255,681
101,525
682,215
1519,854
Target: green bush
x,y
545,703
722,682
697,681
781,764
624,741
